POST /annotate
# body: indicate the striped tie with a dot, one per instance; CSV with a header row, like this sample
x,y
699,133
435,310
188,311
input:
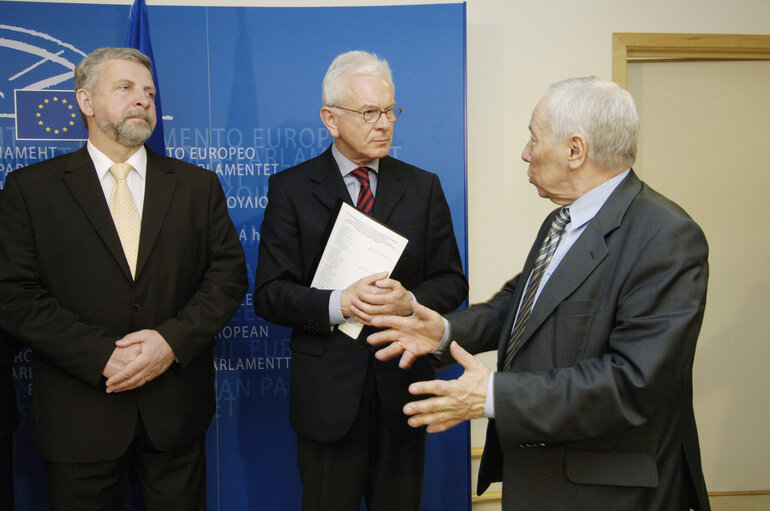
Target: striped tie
x,y
365,200
541,263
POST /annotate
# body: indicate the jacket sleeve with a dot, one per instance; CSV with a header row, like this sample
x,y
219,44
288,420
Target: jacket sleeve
x,y
281,292
444,287
27,309
479,327
221,287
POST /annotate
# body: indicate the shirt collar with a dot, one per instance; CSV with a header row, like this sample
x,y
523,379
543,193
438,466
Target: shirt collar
x,y
102,162
588,204
346,166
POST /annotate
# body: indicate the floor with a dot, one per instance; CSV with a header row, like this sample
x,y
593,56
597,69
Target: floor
x,y
741,503
721,503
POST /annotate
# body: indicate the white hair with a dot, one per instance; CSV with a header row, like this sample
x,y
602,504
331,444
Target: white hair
x,y
602,112
347,64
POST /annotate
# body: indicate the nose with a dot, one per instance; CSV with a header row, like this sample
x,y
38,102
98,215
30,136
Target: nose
x,y
383,122
526,154
144,100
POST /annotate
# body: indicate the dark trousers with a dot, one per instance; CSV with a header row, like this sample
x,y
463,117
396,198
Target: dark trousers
x,y
370,462
172,480
6,472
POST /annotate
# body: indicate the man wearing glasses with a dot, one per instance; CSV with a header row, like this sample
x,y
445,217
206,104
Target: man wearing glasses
x,y
353,439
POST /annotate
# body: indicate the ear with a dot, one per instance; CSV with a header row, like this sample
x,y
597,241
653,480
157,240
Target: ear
x,y
329,118
84,102
578,151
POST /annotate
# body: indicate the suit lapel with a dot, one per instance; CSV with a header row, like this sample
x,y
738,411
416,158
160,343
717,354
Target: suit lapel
x,y
390,189
328,185
584,256
80,177
158,192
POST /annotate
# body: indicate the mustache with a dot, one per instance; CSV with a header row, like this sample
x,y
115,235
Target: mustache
x,y
137,112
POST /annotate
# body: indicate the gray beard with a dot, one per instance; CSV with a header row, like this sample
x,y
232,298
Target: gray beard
x,y
125,133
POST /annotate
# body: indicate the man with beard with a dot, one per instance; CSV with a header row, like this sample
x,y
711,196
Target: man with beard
x,y
118,266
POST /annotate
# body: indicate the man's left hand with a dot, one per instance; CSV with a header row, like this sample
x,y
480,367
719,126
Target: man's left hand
x,y
155,357
387,297
454,401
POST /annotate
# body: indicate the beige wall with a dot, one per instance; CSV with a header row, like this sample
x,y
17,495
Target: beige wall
x,y
515,50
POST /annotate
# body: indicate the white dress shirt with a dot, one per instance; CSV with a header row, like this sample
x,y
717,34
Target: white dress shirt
x,y
136,178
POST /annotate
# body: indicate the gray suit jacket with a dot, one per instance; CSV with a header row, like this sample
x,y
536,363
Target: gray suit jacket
x,y
596,410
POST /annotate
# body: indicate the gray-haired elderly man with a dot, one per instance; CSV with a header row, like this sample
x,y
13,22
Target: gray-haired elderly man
x,y
118,266
591,403
353,439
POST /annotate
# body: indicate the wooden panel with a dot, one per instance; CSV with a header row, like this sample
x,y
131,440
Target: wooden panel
x,y
633,46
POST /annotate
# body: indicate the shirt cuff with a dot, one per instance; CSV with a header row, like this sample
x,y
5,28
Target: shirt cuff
x,y
443,344
335,308
489,404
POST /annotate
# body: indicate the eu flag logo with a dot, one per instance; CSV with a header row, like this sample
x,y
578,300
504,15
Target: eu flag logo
x,y
48,115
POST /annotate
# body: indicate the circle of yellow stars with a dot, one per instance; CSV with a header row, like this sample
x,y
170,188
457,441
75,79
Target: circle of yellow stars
x,y
56,130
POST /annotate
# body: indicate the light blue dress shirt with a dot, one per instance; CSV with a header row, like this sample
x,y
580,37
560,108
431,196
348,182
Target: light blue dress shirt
x,y
581,212
354,186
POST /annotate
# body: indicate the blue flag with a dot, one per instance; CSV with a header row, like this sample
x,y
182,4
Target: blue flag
x,y
48,115
139,37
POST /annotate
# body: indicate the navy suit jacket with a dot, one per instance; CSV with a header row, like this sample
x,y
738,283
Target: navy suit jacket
x,y
328,367
596,410
67,292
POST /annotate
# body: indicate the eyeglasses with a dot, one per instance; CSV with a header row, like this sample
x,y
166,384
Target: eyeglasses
x,y
371,116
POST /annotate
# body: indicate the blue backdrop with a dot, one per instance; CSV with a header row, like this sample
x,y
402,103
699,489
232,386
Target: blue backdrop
x,y
241,91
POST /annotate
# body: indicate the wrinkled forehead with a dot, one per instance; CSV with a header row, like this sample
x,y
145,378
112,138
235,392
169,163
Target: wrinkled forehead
x,y
538,123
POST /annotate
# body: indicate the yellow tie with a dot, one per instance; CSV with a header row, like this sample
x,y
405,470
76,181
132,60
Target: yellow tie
x,y
124,214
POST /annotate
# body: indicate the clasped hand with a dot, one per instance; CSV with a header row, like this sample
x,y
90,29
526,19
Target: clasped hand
x,y
375,295
138,357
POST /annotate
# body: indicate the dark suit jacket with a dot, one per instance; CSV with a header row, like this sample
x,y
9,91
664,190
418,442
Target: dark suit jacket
x,y
8,419
8,349
328,367
66,291
8,412
596,411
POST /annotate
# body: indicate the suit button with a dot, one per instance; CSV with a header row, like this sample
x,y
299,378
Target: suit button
x,y
137,307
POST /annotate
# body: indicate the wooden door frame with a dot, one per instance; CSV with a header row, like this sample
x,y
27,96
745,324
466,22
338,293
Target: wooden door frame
x,y
648,47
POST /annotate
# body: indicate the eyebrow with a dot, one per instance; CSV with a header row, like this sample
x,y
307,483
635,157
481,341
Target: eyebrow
x,y
368,106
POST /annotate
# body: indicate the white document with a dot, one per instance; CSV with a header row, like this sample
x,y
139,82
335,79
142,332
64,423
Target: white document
x,y
358,246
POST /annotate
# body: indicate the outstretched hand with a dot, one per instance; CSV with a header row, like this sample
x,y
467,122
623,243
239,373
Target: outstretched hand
x,y
410,336
454,401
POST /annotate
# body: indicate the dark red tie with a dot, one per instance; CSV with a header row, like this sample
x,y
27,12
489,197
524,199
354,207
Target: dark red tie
x,y
365,197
